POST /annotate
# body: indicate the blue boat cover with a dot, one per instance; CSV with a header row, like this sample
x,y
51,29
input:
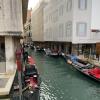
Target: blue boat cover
x,y
74,58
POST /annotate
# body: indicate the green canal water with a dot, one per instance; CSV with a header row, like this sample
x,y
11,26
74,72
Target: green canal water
x,y
59,81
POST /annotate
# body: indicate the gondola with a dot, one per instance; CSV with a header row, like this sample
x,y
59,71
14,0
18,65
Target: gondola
x,y
85,68
90,70
39,49
51,53
31,75
54,54
31,78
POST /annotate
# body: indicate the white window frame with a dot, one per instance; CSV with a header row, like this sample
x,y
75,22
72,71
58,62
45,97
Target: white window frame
x,y
61,10
68,29
82,4
61,30
69,5
81,29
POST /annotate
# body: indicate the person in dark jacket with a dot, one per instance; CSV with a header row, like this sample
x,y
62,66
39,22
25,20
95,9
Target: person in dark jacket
x,y
25,55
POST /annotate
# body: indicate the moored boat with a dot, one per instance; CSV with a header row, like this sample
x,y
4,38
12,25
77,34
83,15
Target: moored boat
x,y
31,78
93,73
85,67
53,53
31,75
39,49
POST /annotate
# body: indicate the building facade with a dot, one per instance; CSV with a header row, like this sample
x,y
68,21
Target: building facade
x,y
12,13
38,23
74,24
27,27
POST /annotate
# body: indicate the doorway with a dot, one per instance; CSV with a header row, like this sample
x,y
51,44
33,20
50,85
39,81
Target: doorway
x,y
2,55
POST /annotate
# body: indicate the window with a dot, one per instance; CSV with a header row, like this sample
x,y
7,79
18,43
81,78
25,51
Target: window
x,y
46,33
61,9
46,18
61,30
82,4
55,15
68,29
69,5
81,29
50,34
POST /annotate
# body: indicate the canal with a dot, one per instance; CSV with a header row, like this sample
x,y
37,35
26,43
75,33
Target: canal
x,y
59,81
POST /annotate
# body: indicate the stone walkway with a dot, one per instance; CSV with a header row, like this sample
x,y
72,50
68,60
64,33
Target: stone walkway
x,y
6,81
2,67
3,82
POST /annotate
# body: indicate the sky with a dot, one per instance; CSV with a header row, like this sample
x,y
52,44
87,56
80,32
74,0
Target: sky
x,y
32,3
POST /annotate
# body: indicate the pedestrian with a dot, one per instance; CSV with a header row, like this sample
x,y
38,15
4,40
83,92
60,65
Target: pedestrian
x,y
25,55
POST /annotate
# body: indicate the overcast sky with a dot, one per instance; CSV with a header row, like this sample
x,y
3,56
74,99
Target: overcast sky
x,y
32,3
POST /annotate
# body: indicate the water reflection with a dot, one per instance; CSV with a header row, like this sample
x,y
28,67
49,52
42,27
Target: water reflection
x,y
62,82
46,93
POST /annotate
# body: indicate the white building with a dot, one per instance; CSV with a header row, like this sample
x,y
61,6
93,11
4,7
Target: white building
x,y
74,21
27,27
12,13
38,23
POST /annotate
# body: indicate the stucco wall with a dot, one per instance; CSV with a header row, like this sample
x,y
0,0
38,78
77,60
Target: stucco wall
x,y
37,23
56,16
10,54
82,16
75,16
10,15
95,22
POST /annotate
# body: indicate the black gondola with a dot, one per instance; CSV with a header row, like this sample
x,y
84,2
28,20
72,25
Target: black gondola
x,y
31,77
